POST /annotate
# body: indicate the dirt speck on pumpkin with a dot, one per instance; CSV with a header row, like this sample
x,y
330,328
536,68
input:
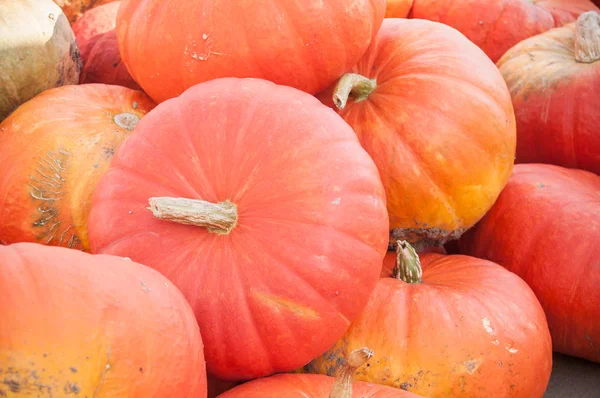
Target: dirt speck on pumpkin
x,y
13,385
472,365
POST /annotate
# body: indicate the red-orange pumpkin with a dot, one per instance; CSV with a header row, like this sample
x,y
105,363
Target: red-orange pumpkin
x,y
434,113
545,227
554,79
170,45
97,41
74,324
318,386
287,220
53,150
455,326
497,25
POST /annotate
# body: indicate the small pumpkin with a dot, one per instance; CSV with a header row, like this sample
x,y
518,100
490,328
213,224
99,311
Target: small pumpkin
x,y
398,8
38,50
97,40
318,386
442,136
74,9
495,26
170,45
53,150
259,203
74,324
554,80
545,227
451,326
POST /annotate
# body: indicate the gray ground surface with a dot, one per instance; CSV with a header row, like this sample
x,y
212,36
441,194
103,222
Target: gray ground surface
x,y
573,378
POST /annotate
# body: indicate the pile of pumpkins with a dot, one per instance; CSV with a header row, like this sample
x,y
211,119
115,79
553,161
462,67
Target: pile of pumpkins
x,y
297,198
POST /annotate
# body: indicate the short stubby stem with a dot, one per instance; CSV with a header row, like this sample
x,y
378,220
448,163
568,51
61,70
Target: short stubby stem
x,y
342,387
408,265
587,38
219,218
355,85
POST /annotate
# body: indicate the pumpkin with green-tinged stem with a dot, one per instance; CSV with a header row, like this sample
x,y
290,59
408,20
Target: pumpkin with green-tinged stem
x,y
259,203
545,227
495,26
449,326
53,150
554,80
78,325
171,45
38,51
435,114
319,386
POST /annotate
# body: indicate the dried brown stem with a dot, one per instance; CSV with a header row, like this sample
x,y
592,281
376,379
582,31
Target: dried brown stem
x,y
342,387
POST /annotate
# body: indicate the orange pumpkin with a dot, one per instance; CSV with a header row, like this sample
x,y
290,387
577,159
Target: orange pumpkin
x,y
74,9
97,41
74,324
455,326
53,150
398,8
435,114
554,79
497,25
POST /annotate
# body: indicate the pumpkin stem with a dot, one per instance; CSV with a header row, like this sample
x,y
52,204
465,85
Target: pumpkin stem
x,y
126,120
355,85
219,218
408,264
587,37
342,387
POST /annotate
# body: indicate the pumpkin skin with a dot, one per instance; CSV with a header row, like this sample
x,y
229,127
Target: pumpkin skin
x,y
74,9
53,150
469,329
496,26
545,228
305,44
398,8
93,326
38,50
296,268
442,136
97,40
313,386
554,90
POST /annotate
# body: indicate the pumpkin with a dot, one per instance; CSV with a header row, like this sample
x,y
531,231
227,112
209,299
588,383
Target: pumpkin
x,y
74,9
435,114
554,79
38,50
97,40
259,203
398,8
451,326
545,227
53,150
74,324
496,26
318,386
170,45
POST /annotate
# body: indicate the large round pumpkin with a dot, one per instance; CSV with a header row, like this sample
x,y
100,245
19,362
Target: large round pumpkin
x,y
37,51
497,25
53,150
545,227
554,79
74,9
97,40
453,326
318,386
259,203
74,324
434,113
170,45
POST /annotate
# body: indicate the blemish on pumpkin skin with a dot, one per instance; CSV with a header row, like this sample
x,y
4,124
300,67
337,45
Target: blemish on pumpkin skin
x,y
472,365
279,303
